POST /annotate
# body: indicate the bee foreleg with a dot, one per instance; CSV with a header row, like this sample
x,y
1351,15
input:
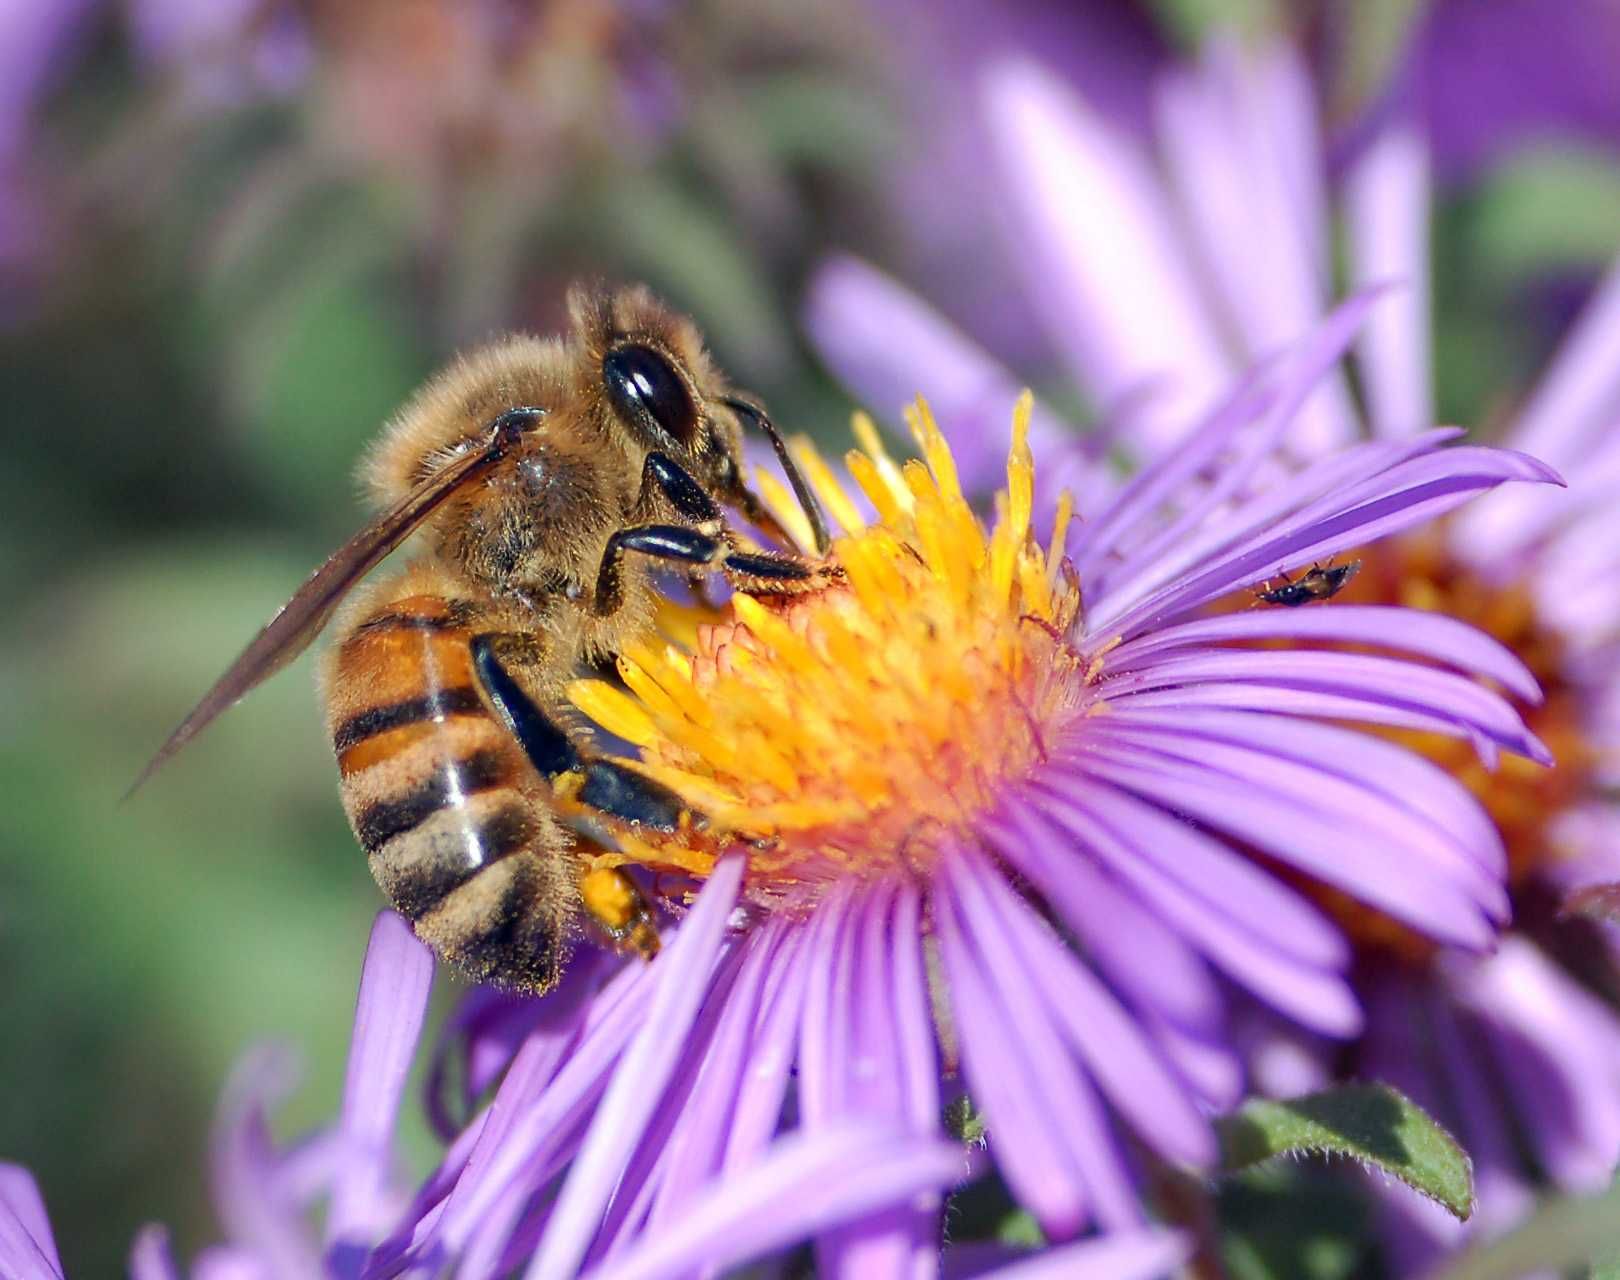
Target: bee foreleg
x,y
684,493
763,571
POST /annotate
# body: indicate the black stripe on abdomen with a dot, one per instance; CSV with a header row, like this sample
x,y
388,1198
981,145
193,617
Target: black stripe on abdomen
x,y
396,715
379,823
421,869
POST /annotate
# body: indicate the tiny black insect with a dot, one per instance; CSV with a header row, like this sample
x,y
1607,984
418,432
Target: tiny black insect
x,y
1316,583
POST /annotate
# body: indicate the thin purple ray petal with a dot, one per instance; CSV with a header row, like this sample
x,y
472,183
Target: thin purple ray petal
x,y
255,1208
395,982
1387,220
1226,128
1431,635
151,1257
1366,816
1403,496
1393,771
1207,869
522,1144
1130,1072
1291,830
805,1184
695,1149
627,1105
1066,1102
1107,274
1313,997
27,1247
1400,683
1037,1161
1115,928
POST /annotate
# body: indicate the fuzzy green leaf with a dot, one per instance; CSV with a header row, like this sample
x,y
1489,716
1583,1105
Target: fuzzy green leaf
x,y
1369,1123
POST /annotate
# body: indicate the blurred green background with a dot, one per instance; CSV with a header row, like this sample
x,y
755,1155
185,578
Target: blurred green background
x,y
232,238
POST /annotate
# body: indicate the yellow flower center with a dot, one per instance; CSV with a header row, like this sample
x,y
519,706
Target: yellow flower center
x,y
854,731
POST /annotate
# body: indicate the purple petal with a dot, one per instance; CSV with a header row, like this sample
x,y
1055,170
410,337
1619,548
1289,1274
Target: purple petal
x,y
1317,999
1125,1255
1387,218
1037,1161
695,1149
725,1004
1206,531
395,982
1505,75
1132,1075
638,1082
1269,396
1239,696
1432,635
889,1073
1115,928
27,1247
1366,816
1408,685
1290,828
151,1258
530,1133
1106,270
1225,880
806,1183
978,950
1484,1122
889,347
1233,131
1403,496
1556,1047
255,1207
772,1057
1396,773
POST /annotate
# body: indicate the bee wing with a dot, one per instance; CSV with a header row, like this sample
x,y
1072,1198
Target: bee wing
x,y
300,620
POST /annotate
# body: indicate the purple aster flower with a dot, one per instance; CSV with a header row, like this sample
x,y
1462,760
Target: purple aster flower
x,y
953,809
1515,1051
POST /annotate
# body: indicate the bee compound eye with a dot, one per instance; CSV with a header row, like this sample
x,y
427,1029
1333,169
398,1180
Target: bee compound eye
x,y
640,381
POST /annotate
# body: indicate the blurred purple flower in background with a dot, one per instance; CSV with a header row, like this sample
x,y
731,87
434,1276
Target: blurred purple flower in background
x,y
1167,260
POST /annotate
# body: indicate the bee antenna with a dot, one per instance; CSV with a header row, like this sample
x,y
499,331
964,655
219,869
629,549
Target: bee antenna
x,y
801,489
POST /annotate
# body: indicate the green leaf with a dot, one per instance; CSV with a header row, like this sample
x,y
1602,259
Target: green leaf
x,y
1372,1124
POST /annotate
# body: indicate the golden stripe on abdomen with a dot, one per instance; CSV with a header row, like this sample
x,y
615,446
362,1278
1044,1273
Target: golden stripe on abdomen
x,y
437,705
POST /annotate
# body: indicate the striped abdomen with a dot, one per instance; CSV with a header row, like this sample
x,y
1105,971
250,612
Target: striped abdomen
x,y
442,798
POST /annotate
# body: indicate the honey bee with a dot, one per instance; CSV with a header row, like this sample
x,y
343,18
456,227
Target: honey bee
x,y
551,477
1316,583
